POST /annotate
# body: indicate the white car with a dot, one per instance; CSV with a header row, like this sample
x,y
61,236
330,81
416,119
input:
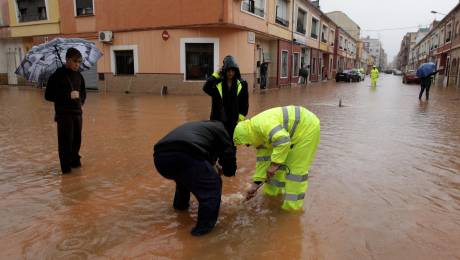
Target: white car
x,y
362,76
397,72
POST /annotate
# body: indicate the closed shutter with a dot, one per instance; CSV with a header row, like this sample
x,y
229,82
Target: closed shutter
x,y
90,77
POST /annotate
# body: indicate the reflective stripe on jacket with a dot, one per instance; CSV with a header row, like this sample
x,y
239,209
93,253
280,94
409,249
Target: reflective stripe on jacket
x,y
219,88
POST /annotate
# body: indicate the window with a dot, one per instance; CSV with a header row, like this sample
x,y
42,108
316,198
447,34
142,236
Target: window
x,y
256,7
301,21
30,11
84,7
295,64
314,28
341,43
1,17
346,45
199,60
457,28
332,37
324,33
441,37
124,62
449,33
282,13
284,64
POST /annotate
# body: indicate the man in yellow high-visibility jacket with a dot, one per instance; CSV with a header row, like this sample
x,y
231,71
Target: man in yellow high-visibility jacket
x,y
286,139
374,76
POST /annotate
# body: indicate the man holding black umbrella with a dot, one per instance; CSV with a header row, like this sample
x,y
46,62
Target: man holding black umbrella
x,y
66,88
425,72
425,84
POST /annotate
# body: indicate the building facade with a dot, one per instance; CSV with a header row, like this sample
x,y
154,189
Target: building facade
x,y
440,44
375,49
149,45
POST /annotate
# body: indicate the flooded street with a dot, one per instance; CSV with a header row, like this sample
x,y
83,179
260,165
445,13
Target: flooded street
x,y
385,183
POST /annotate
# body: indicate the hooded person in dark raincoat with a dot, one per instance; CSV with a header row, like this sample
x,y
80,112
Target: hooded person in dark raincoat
x,y
229,93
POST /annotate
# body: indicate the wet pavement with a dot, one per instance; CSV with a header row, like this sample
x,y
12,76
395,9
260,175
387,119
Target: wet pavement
x,y
385,183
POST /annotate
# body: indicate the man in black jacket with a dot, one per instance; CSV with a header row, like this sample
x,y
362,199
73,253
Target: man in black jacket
x,y
66,88
187,155
229,93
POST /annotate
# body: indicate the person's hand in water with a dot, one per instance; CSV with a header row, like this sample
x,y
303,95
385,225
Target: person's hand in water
x,y
251,192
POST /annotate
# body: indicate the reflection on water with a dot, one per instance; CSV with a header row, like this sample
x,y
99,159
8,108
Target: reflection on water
x,y
385,183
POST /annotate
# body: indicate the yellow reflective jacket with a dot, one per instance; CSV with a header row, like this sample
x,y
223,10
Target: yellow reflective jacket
x,y
374,73
276,129
219,88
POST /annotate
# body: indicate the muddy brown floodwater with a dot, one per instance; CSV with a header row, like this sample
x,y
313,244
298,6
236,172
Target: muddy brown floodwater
x,y
385,183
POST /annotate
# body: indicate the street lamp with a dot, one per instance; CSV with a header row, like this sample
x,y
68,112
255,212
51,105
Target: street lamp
x,y
436,12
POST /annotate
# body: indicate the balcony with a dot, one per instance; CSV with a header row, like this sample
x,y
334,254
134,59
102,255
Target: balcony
x,y
30,14
314,35
282,21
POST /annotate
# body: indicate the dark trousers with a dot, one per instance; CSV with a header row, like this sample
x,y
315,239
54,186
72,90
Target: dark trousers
x,y
69,140
425,86
195,176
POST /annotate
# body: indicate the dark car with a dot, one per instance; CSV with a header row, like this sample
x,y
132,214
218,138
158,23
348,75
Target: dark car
x,y
410,77
348,76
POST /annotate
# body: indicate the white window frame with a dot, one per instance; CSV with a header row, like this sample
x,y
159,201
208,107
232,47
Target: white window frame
x,y
305,20
183,41
281,64
75,9
17,13
133,48
260,17
318,29
295,73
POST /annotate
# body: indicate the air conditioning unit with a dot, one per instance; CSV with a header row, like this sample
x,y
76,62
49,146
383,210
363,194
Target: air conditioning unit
x,y
106,36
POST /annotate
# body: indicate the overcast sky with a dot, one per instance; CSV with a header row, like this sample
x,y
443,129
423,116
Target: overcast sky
x,y
389,14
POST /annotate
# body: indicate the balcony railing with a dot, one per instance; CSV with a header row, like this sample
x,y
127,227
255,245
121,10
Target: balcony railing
x,y
282,21
31,18
314,35
301,30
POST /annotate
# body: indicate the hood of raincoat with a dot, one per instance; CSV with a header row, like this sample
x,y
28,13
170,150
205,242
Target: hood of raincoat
x,y
244,134
230,63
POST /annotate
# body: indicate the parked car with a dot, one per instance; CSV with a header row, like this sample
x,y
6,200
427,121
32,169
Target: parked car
x,y
410,77
388,71
362,76
348,76
397,72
